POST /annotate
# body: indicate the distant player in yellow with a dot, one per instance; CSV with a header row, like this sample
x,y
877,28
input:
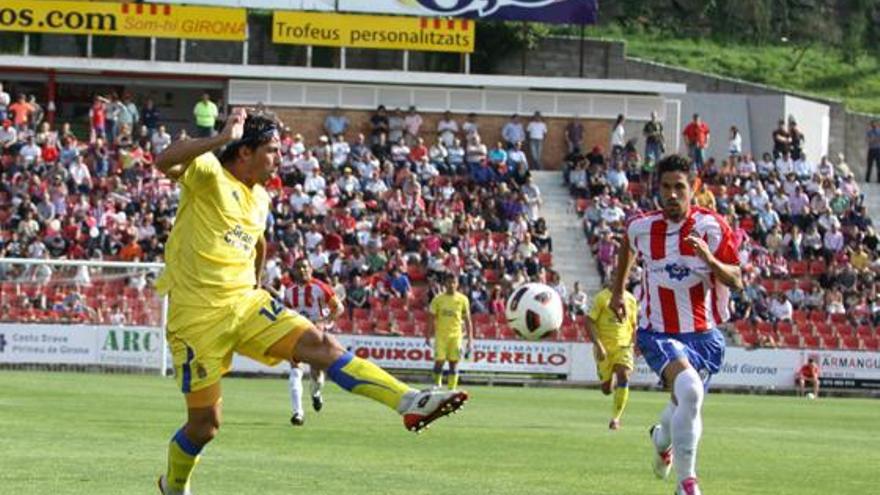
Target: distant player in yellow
x,y
449,311
613,347
213,260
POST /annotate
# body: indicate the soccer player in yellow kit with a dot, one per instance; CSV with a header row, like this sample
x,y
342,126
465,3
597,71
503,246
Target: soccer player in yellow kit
x,y
449,310
613,347
212,264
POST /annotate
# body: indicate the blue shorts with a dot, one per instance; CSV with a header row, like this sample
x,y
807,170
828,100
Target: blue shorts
x,y
704,351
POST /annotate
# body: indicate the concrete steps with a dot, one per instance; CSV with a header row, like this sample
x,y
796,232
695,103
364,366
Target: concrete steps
x,y
571,256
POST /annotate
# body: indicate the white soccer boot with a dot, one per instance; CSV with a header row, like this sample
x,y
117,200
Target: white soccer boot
x,y
662,459
420,409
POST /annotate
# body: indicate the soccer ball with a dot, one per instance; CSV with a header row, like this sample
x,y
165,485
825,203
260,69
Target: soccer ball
x,y
534,310
810,396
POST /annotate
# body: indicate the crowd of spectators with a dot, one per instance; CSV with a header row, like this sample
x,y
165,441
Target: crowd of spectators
x,y
808,249
381,214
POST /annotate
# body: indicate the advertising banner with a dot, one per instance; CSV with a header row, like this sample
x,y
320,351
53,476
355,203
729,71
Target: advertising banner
x,y
845,369
760,368
372,31
123,19
139,347
501,356
324,5
46,344
549,11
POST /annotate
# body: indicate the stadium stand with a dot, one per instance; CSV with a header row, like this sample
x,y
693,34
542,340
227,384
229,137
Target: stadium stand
x,y
809,249
373,215
400,202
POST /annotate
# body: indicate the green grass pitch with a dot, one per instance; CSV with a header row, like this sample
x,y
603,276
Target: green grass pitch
x,y
67,433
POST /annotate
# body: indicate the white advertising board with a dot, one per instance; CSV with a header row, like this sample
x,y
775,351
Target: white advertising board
x,y
81,344
141,347
501,356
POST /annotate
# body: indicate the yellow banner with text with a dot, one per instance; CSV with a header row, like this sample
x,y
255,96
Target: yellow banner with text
x,y
124,19
373,31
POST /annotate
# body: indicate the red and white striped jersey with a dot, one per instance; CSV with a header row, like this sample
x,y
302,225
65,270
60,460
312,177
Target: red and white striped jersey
x,y
311,299
679,293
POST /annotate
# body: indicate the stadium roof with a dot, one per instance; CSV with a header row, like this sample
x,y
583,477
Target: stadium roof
x,y
227,71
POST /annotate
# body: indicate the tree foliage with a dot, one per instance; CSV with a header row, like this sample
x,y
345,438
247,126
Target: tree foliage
x,y
850,24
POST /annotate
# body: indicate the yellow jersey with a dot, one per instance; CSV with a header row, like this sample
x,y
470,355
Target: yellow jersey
x,y
449,312
210,255
609,331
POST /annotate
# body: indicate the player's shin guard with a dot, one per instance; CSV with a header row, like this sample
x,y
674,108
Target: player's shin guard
x,y
687,422
621,395
296,390
183,455
365,378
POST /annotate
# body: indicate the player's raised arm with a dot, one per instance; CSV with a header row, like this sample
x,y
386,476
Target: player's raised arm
x,y
174,160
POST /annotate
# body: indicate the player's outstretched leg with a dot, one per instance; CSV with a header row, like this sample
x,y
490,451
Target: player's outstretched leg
x,y
687,427
297,417
662,441
317,385
359,376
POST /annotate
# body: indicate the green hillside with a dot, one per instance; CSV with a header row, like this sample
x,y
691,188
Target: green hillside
x,y
821,70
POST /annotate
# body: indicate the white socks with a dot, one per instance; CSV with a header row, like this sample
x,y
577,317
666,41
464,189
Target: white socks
x,y
296,390
687,423
317,381
662,434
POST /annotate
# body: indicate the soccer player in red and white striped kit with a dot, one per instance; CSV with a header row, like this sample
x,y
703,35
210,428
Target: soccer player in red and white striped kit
x,y
314,299
690,264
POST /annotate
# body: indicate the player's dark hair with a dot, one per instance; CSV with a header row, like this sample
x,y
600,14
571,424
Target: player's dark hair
x,y
674,163
258,130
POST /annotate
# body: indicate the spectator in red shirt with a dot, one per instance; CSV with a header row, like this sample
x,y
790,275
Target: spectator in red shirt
x,y
696,135
418,151
808,374
20,111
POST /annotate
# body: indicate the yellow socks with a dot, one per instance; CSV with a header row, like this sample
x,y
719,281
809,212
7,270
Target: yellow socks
x,y
621,395
453,380
365,378
438,379
183,455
